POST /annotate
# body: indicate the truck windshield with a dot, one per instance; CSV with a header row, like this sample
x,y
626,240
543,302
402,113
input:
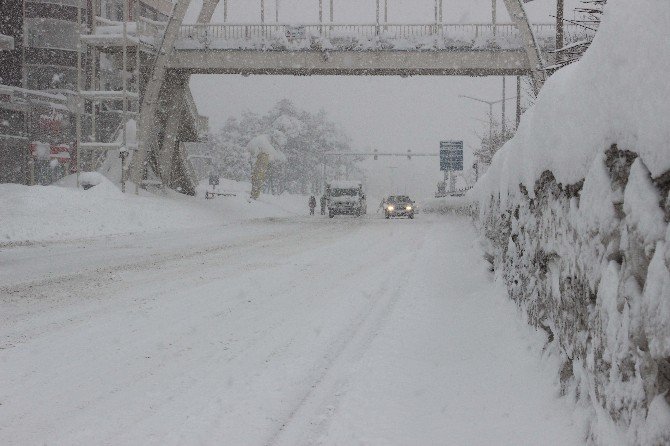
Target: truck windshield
x,y
344,192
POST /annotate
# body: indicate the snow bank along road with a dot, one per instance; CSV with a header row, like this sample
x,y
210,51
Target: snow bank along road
x,y
288,332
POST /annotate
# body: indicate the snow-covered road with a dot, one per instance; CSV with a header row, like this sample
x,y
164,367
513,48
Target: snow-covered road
x,y
276,331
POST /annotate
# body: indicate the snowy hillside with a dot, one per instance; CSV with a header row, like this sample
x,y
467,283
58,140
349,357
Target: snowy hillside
x,y
576,209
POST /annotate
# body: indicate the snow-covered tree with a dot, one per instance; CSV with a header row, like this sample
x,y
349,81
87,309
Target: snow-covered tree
x,y
491,140
302,136
588,16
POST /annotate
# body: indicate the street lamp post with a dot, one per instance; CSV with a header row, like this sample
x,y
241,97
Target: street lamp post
x,y
490,104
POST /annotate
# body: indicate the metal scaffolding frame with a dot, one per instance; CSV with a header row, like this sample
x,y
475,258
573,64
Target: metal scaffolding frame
x,y
129,95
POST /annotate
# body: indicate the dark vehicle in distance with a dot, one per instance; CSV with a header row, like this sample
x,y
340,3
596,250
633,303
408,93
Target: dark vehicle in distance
x,y
398,206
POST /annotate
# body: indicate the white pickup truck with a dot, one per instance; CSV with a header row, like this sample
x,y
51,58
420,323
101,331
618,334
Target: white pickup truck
x,y
345,198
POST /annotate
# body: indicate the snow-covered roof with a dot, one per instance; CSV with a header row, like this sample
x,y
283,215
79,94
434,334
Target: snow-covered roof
x,y
345,184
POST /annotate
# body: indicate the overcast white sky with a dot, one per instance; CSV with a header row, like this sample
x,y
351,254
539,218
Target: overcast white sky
x,y
388,113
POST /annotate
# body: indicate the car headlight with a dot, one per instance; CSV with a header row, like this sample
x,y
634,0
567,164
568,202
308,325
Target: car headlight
x,y
408,208
390,208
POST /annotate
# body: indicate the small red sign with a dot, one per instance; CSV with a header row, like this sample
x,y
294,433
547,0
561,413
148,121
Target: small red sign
x,y
61,152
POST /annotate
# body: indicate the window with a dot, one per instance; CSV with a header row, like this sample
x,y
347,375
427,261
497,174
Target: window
x,y
51,33
45,77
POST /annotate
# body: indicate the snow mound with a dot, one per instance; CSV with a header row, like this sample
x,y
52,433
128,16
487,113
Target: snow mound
x,y
575,209
448,205
261,144
63,212
112,165
98,185
618,93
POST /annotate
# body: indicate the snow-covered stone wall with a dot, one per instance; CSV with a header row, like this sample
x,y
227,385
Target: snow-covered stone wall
x,y
576,209
588,262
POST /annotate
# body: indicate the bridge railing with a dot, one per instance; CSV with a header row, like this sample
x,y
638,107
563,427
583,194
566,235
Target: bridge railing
x,y
385,31
145,30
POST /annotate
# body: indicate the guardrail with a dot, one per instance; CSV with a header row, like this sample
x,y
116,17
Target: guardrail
x,y
250,31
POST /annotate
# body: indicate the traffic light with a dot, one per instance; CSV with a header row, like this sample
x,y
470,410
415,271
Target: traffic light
x,y
409,154
375,157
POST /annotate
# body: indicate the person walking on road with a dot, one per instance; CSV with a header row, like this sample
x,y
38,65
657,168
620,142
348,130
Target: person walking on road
x,y
323,205
312,205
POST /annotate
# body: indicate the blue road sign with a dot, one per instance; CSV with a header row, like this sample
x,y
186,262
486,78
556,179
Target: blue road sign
x,y
451,155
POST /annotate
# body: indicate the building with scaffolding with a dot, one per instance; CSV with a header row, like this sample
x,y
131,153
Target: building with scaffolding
x,y
42,113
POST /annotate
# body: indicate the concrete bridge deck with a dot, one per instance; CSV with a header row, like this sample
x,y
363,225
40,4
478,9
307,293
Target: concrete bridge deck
x,y
311,62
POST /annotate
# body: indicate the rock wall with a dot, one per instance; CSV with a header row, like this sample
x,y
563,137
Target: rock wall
x,y
590,265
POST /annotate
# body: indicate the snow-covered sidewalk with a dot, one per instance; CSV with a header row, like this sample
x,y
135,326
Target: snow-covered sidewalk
x,y
292,331
62,212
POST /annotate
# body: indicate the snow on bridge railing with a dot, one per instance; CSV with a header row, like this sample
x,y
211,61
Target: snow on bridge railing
x,y
366,36
110,32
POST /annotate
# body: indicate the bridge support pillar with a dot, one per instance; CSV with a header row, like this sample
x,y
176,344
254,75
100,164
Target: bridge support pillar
x,y
149,119
518,14
207,10
173,121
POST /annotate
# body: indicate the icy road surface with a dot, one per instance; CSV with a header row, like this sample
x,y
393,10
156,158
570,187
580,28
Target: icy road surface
x,y
287,332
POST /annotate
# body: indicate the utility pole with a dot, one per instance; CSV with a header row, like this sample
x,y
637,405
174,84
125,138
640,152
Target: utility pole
x,y
320,11
78,152
262,11
493,16
331,11
225,10
386,11
490,104
440,13
518,101
325,180
276,11
124,83
504,124
559,27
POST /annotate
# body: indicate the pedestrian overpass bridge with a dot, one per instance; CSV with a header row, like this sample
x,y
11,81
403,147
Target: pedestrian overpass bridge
x,y
176,50
359,49
351,49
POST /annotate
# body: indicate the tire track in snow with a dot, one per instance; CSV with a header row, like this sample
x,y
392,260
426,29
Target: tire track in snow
x,y
94,285
341,354
264,339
